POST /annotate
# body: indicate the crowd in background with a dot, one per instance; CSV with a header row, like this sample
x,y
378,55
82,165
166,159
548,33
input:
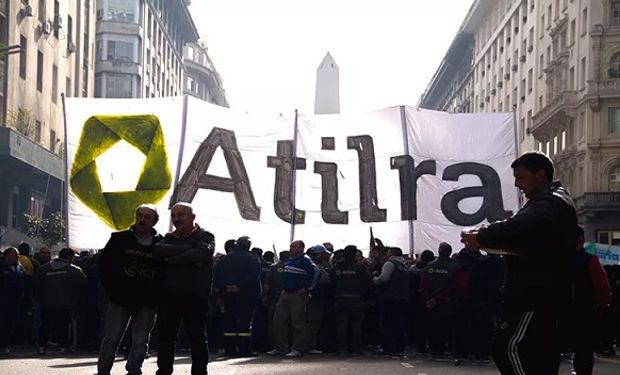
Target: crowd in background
x,y
444,305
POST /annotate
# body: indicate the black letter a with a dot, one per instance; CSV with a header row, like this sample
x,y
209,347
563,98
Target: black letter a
x,y
196,177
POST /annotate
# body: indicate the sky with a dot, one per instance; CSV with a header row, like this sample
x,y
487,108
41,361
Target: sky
x,y
267,51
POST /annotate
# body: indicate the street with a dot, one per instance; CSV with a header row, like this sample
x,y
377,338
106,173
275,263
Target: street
x,y
29,364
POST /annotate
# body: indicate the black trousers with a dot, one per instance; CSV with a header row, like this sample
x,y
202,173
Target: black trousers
x,y
526,342
440,321
56,324
193,312
349,321
238,323
393,326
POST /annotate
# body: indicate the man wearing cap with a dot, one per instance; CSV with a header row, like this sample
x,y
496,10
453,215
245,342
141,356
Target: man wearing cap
x,y
57,287
299,278
237,282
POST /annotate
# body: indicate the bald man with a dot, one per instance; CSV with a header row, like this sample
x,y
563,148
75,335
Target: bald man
x,y
187,253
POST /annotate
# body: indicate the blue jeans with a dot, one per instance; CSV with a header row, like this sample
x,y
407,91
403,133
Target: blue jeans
x,y
117,319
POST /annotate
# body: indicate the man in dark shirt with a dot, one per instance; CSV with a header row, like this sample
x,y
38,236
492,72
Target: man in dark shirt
x,y
350,282
237,282
187,253
539,247
130,276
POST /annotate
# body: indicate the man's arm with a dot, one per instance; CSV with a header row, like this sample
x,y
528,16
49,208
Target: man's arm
x,y
515,234
386,273
314,272
200,252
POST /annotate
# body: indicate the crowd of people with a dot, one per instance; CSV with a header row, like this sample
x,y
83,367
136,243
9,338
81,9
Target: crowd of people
x,y
144,292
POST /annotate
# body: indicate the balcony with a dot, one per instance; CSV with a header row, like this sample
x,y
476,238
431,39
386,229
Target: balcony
x,y
557,110
604,88
590,203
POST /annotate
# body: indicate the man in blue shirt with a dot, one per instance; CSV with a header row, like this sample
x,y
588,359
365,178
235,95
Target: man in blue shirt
x,y
298,280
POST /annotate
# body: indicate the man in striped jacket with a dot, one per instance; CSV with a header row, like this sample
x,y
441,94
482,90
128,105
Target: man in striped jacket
x,y
539,247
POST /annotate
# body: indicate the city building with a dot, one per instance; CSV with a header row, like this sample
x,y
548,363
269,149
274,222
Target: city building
x,y
201,78
45,50
327,93
556,65
139,47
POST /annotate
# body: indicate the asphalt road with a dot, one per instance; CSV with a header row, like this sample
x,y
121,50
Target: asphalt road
x,y
29,364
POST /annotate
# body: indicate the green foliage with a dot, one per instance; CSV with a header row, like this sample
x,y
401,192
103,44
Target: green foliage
x,y
22,121
49,230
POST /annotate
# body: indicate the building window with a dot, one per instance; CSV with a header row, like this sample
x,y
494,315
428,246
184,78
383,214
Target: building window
x,y
68,87
614,120
119,86
84,80
608,237
69,29
583,73
23,44
615,13
37,204
122,10
571,78
614,178
584,21
53,140
118,50
38,130
55,84
41,12
614,66
57,21
40,71
563,142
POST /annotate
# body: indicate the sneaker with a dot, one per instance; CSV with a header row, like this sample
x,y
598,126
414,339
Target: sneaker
x,y
458,361
293,354
483,361
275,352
315,351
41,350
64,351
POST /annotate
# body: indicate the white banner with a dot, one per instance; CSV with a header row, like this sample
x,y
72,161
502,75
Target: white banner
x,y
417,177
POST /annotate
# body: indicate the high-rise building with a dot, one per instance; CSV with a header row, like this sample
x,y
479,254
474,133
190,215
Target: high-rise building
x,y
327,94
556,65
139,47
201,78
45,51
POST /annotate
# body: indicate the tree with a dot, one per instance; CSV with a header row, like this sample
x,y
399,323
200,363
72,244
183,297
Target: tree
x,y
22,121
49,230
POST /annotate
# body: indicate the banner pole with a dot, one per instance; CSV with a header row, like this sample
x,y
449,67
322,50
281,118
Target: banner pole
x,y
516,137
64,185
177,173
403,121
294,178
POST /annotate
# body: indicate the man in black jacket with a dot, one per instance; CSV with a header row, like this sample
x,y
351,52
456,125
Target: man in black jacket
x,y
57,287
238,284
350,282
130,276
539,248
187,253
